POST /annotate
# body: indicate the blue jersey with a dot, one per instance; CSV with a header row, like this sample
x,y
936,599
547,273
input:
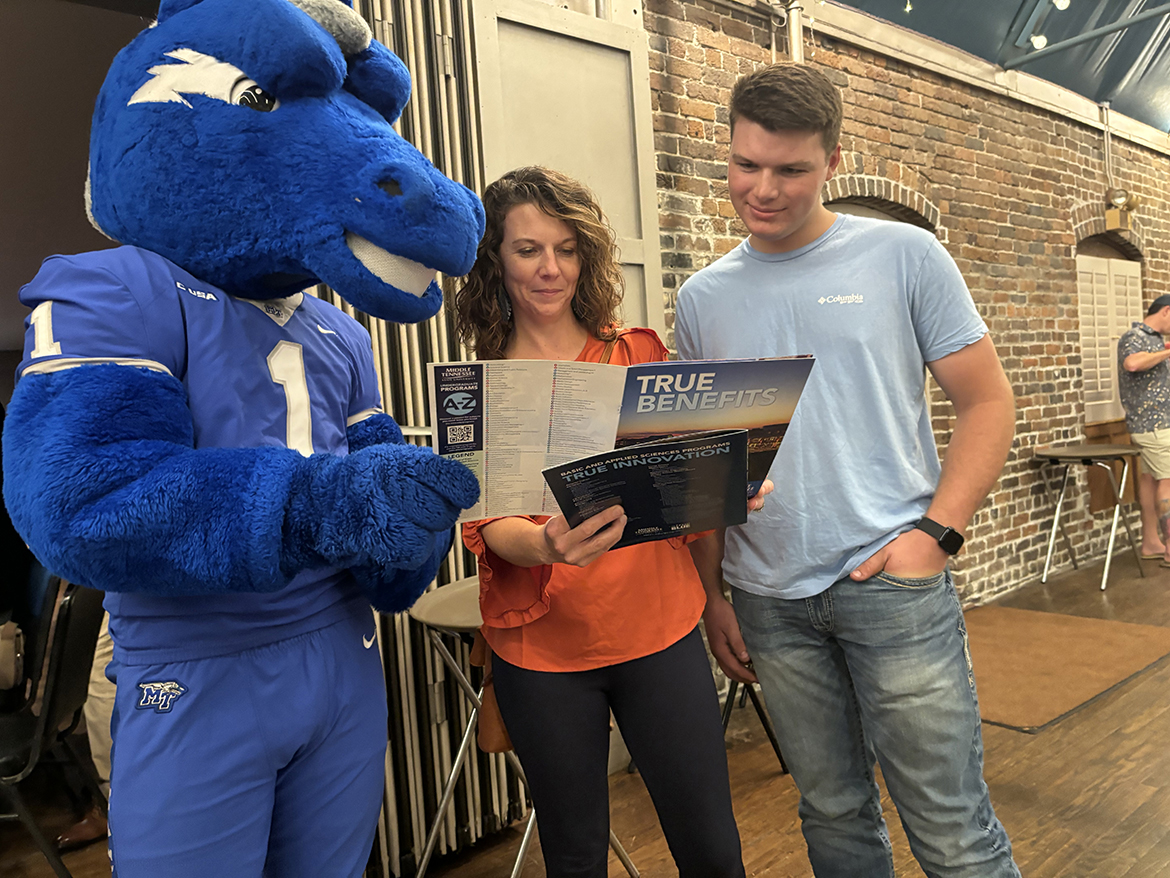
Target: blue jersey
x,y
291,372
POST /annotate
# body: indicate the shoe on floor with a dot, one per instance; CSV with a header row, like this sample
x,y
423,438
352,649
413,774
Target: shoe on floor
x,y
90,828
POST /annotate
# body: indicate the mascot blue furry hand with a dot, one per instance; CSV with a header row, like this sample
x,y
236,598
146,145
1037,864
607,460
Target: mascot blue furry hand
x,y
186,421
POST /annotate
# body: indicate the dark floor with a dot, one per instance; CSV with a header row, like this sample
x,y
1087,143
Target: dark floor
x,y
1085,798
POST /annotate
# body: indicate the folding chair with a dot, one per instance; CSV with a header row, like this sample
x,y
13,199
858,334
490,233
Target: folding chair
x,y
61,639
454,610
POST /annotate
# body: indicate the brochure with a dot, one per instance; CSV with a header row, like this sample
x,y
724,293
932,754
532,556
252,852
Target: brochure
x,y
668,487
509,420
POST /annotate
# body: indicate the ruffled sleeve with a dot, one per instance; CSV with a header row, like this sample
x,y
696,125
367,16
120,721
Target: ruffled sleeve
x,y
509,596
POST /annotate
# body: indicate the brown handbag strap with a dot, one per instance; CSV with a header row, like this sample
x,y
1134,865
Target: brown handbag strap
x,y
608,352
479,650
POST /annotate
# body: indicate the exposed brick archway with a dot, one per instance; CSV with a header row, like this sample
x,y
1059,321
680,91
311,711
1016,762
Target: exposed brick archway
x,y
886,184
1089,220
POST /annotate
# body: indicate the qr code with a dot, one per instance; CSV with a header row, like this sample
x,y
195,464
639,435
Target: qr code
x,y
461,433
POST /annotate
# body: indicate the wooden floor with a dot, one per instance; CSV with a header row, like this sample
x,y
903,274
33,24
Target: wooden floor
x,y
1086,798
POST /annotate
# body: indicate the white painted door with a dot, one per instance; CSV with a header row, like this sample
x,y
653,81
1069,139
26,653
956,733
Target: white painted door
x,y
570,90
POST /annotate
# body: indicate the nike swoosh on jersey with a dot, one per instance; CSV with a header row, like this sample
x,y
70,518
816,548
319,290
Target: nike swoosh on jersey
x,y
368,643
325,331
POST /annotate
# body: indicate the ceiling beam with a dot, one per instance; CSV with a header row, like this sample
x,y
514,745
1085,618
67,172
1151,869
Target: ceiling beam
x,y
1087,36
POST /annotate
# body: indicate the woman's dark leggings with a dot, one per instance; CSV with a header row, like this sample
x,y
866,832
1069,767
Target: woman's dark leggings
x,y
666,707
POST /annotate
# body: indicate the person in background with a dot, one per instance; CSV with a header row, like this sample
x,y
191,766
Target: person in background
x,y
578,630
1143,382
841,585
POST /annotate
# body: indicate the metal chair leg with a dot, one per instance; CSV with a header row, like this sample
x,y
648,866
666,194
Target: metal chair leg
x,y
1072,555
769,729
749,691
448,790
1117,515
26,818
1055,523
732,688
620,851
518,866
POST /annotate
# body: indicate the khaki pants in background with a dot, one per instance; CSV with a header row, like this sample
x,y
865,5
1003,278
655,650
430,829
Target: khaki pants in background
x,y
99,706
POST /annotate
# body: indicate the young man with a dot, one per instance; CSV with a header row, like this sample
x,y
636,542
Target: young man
x,y
1143,380
849,618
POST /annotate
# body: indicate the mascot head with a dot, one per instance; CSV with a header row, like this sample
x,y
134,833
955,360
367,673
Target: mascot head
x,y
250,142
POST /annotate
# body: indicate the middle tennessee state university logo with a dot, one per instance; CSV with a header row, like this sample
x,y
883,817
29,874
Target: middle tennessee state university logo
x,y
161,696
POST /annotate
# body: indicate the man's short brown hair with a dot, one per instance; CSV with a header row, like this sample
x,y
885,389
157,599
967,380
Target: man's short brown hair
x,y
789,97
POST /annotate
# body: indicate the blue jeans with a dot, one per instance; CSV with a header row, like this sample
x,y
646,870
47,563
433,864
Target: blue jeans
x,y
879,669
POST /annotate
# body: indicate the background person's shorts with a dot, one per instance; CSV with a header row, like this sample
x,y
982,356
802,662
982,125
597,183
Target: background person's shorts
x,y
1155,448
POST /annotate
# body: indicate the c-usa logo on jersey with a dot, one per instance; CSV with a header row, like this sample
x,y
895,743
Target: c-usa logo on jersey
x,y
198,294
160,696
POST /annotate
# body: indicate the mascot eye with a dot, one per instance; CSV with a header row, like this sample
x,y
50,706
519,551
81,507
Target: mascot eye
x,y
248,94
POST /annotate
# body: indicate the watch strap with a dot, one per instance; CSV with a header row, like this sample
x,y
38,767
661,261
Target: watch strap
x,y
949,539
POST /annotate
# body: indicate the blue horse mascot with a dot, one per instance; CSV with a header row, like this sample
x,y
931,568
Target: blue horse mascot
x,y
196,436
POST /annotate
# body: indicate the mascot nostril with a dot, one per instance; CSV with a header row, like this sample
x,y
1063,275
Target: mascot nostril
x,y
198,437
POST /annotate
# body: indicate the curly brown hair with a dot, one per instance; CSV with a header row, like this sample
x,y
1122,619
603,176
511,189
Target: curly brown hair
x,y
479,319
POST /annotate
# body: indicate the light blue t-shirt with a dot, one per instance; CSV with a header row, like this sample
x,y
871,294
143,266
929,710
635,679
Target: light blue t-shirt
x,y
873,301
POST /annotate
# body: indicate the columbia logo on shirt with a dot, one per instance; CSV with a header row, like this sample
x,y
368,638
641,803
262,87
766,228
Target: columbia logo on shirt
x,y
851,299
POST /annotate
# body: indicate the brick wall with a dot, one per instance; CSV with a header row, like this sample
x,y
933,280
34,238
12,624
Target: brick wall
x,y
1009,189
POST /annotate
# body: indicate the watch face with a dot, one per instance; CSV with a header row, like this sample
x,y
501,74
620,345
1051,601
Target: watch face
x,y
951,541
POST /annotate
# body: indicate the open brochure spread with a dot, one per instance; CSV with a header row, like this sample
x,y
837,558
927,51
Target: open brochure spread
x,y
510,420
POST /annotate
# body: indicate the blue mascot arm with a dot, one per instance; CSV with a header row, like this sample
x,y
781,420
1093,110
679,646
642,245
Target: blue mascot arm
x,y
103,482
379,429
392,590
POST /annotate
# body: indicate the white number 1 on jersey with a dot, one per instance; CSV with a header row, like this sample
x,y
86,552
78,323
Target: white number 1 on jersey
x,y
286,365
42,320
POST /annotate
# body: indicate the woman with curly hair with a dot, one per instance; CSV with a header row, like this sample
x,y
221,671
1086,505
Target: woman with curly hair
x,y
577,630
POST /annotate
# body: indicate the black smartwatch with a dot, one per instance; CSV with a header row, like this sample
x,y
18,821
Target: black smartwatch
x,y
948,538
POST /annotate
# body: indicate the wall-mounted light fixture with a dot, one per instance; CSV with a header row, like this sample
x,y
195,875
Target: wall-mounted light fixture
x,y
1119,202
1119,207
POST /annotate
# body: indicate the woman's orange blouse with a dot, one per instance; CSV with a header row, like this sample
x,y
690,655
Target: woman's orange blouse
x,y
627,604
